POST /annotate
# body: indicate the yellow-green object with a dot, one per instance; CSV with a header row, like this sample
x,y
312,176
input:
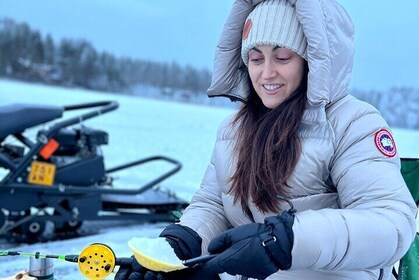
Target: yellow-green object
x,y
409,264
150,262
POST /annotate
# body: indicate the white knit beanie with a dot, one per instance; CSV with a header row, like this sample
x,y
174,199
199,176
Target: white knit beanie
x,y
273,22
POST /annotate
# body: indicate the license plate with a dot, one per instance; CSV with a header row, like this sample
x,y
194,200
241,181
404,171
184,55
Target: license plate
x,y
42,173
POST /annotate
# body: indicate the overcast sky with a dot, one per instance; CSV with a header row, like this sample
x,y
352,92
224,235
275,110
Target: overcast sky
x,y
187,31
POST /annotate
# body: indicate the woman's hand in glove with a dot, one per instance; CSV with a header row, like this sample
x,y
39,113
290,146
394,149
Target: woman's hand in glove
x,y
254,250
138,272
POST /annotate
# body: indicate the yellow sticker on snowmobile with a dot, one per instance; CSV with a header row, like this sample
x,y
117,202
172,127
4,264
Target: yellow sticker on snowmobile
x,y
42,173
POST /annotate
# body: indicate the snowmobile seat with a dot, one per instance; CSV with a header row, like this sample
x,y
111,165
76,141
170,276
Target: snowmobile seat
x,y
18,117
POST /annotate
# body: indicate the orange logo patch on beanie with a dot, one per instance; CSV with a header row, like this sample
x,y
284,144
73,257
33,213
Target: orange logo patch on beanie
x,y
246,29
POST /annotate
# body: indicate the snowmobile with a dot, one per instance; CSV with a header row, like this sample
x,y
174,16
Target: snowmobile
x,y
58,176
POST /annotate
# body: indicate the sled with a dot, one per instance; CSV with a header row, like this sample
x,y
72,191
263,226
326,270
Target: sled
x,y
59,177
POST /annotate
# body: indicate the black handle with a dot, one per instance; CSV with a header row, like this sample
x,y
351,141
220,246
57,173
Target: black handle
x,y
198,260
124,262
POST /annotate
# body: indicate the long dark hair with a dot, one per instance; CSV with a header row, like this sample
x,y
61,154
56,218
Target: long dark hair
x,y
267,148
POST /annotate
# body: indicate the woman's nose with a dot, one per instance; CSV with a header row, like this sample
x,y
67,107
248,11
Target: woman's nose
x,y
269,70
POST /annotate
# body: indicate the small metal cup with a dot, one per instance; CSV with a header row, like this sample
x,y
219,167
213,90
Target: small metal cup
x,y
42,269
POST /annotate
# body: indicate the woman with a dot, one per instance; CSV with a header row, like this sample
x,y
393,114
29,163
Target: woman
x,y
304,181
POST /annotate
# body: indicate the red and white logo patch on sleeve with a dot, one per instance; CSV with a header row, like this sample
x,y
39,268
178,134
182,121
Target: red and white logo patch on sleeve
x,y
385,143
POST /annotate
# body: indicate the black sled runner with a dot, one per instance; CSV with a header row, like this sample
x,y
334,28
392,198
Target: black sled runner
x,y
59,177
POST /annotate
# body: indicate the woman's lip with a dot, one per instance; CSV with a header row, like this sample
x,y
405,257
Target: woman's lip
x,y
272,89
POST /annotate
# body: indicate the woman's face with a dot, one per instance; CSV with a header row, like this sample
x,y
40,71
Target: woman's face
x,y
275,73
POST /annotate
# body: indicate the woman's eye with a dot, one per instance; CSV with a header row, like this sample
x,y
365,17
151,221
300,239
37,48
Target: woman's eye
x,y
256,60
283,58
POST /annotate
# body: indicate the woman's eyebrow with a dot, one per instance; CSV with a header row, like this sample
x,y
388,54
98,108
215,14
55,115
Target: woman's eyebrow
x,y
276,47
256,49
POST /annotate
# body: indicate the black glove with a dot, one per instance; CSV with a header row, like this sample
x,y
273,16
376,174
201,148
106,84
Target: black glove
x,y
135,271
185,242
254,250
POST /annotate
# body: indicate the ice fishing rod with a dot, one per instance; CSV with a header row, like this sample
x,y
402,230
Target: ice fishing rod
x,y
97,261
38,255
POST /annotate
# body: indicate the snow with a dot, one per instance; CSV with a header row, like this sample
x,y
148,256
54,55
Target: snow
x,y
139,128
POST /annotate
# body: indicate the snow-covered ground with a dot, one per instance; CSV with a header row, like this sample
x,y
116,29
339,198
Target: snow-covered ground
x,y
139,128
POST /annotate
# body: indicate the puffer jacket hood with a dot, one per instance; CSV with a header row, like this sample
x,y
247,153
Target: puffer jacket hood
x,y
330,36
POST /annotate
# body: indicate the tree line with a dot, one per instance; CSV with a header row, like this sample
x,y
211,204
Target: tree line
x,y
398,105
27,55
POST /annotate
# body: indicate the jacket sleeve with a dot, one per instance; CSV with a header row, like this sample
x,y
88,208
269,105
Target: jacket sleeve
x,y
376,224
206,214
229,75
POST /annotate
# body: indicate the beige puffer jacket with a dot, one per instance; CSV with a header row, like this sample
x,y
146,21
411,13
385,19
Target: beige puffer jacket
x,y
355,216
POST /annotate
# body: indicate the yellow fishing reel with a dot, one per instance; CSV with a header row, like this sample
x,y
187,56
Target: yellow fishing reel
x,y
97,261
